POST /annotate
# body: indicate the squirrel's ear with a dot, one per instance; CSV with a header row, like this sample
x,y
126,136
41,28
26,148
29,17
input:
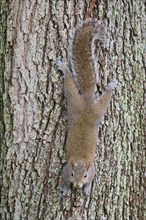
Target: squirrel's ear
x,y
72,162
88,165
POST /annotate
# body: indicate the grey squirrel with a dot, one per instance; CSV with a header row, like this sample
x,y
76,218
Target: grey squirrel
x,y
84,111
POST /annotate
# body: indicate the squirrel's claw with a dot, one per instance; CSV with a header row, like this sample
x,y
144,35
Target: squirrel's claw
x,y
112,85
60,64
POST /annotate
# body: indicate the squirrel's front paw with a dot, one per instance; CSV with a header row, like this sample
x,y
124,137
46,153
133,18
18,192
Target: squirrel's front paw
x,y
112,85
64,190
87,189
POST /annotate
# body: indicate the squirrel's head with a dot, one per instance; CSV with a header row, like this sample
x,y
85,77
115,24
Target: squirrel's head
x,y
79,173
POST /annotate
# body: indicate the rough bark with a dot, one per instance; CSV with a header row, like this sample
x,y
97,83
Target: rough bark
x,y
33,115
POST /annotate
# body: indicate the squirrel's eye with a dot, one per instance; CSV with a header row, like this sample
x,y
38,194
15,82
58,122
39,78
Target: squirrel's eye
x,y
72,174
85,175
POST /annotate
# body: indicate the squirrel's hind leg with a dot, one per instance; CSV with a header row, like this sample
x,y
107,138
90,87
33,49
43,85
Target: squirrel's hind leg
x,y
104,100
70,86
74,99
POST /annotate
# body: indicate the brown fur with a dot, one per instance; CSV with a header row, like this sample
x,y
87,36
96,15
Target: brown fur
x,y
84,114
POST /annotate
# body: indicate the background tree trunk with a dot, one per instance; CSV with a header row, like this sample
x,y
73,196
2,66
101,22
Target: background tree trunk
x,y
33,113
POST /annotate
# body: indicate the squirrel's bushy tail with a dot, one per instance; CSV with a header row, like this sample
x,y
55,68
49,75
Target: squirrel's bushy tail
x,y
82,58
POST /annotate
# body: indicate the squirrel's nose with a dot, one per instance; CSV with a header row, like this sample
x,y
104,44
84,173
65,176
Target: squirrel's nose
x,y
78,185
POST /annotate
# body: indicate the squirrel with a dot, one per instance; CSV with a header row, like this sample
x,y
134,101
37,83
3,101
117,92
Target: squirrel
x,y
84,110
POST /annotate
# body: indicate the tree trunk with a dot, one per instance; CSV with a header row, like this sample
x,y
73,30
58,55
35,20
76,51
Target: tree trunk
x,y
33,112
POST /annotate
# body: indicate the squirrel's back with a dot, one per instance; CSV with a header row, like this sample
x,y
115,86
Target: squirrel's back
x,y
82,58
